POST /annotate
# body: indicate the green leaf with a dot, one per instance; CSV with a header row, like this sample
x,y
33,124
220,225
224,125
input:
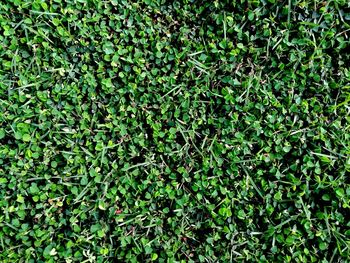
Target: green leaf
x,y
94,228
323,245
154,256
340,192
148,250
33,189
108,48
20,198
26,137
3,180
2,133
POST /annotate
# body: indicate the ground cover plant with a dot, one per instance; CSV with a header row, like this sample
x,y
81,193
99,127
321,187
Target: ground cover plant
x,y
174,131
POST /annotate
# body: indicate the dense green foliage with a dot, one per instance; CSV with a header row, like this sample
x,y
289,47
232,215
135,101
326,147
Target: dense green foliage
x,y
174,131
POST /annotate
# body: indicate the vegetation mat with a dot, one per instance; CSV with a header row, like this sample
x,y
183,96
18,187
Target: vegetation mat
x,y
174,131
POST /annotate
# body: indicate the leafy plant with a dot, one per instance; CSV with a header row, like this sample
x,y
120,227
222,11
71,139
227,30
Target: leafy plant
x,y
184,131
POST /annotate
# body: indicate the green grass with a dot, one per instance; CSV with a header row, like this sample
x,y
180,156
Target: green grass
x,y
174,131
